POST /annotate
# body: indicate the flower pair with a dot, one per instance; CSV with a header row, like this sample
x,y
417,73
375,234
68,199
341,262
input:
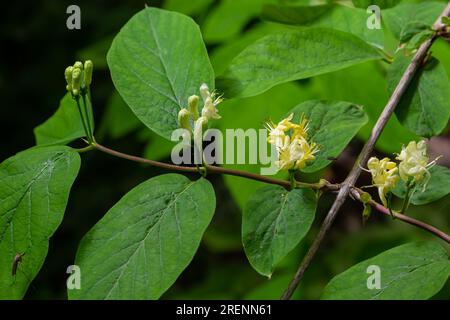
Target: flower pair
x,y
294,150
412,169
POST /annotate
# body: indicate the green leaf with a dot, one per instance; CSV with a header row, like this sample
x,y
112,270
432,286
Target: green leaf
x,y
294,55
119,120
144,242
403,14
332,125
383,4
425,106
34,189
63,126
437,187
295,15
229,17
157,61
190,7
273,223
222,55
337,17
345,85
411,271
411,29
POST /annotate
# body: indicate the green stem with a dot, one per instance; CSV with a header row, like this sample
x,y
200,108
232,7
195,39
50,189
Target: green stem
x,y
77,99
407,199
88,118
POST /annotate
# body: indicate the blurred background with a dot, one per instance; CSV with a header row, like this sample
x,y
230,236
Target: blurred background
x,y
36,47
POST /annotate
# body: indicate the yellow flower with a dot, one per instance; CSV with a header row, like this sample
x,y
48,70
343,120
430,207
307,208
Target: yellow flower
x,y
294,151
414,162
384,175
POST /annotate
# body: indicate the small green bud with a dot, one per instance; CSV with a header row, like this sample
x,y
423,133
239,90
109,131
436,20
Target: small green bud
x,y
365,197
68,75
88,68
183,119
193,106
76,81
78,65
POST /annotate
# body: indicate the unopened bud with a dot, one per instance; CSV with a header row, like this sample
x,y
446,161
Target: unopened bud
x,y
68,75
193,106
183,119
204,91
76,81
200,126
78,65
88,68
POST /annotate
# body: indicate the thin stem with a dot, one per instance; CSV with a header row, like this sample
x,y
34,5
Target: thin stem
x,y
380,208
364,155
88,118
77,99
321,185
405,204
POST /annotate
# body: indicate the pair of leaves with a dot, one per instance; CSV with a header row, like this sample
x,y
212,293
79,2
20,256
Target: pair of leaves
x,y
34,189
436,187
143,243
425,106
411,271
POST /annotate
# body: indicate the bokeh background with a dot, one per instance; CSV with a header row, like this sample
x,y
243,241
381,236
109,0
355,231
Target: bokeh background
x,y
36,47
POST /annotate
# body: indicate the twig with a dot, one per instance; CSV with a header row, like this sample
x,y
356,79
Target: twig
x,y
380,208
364,155
323,184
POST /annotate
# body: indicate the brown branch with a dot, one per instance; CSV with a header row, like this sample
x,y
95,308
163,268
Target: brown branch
x,y
323,184
420,224
365,154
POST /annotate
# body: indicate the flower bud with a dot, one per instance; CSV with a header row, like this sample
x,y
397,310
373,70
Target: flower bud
x,y
76,81
68,75
88,68
193,106
78,65
204,91
200,126
183,119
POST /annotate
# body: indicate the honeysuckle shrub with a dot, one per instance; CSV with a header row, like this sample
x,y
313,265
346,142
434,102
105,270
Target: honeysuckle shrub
x,y
166,77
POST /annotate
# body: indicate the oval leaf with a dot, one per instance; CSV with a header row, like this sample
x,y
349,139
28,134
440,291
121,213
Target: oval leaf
x,y
411,271
273,223
144,242
425,106
157,61
294,55
34,189
331,125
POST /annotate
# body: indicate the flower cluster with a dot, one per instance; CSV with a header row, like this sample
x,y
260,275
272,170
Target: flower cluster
x,y
191,114
413,162
79,77
384,175
294,150
412,168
